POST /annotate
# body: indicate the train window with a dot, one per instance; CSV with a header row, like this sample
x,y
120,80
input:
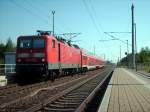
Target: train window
x,y
25,43
53,43
84,58
38,43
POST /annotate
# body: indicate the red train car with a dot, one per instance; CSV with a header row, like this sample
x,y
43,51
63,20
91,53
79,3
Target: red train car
x,y
47,56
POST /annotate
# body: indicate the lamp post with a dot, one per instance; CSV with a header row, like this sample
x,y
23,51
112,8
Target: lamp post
x,y
53,12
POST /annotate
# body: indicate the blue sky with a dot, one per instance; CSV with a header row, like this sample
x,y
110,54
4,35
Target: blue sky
x,y
90,17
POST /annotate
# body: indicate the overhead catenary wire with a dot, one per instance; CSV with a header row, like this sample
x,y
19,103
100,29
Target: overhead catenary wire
x,y
116,38
39,10
94,12
28,11
91,16
36,15
107,40
93,20
50,10
98,23
108,32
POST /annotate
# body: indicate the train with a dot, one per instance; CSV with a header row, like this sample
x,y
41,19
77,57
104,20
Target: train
x,y
47,56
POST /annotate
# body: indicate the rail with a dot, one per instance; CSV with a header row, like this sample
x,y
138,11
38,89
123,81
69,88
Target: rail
x,y
29,95
73,97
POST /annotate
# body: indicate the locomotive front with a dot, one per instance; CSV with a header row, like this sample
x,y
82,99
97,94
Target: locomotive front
x,y
31,56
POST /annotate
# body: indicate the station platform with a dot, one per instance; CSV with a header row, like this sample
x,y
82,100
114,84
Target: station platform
x,y
126,92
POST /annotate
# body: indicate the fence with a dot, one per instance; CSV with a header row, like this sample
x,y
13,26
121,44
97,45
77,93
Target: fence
x,y
7,69
143,67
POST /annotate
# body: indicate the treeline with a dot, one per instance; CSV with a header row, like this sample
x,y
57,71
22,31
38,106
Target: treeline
x,y
142,57
9,46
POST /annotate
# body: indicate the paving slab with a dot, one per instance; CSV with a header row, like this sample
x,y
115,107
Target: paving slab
x,y
126,92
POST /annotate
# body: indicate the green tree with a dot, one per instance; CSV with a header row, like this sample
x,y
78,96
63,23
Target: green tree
x,y
2,47
10,47
144,55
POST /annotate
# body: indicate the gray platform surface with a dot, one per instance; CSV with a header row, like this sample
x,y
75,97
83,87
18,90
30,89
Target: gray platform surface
x,y
126,92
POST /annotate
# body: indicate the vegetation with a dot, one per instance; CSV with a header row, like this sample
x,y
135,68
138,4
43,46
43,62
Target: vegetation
x,y
142,60
9,46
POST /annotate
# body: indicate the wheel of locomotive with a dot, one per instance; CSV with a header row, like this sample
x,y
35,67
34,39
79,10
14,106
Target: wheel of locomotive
x,y
57,74
17,78
20,79
52,75
46,75
72,72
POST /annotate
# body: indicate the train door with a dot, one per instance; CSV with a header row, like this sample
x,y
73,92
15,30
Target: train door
x,y
81,60
59,56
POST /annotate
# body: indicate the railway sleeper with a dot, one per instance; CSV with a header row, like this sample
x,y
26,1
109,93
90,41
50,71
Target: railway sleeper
x,y
46,109
64,105
64,100
76,94
85,91
77,98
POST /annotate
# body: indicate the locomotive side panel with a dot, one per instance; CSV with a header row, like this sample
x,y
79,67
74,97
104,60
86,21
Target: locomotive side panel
x,y
52,53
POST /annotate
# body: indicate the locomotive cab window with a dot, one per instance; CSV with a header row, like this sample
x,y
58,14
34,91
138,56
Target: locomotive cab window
x,y
38,43
25,43
53,43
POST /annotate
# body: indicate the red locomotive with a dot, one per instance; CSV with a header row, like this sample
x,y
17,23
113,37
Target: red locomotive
x,y
47,56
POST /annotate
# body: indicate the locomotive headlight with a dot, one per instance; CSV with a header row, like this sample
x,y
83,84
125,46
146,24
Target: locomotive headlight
x,y
19,60
43,60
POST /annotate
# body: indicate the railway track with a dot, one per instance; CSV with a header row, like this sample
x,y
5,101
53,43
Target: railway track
x,y
18,91
14,99
8,87
74,99
143,74
69,97
147,75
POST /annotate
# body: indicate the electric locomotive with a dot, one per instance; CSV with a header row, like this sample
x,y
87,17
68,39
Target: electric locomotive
x,y
46,56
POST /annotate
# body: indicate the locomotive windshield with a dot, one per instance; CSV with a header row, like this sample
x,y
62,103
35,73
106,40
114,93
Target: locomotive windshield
x,y
38,43
25,43
31,43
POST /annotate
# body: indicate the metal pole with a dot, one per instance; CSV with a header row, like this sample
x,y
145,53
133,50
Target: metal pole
x,y
127,54
120,53
133,52
135,40
120,56
127,47
53,12
118,62
94,50
135,48
104,56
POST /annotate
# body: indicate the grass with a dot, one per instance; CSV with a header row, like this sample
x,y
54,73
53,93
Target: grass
x,y
1,61
146,68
